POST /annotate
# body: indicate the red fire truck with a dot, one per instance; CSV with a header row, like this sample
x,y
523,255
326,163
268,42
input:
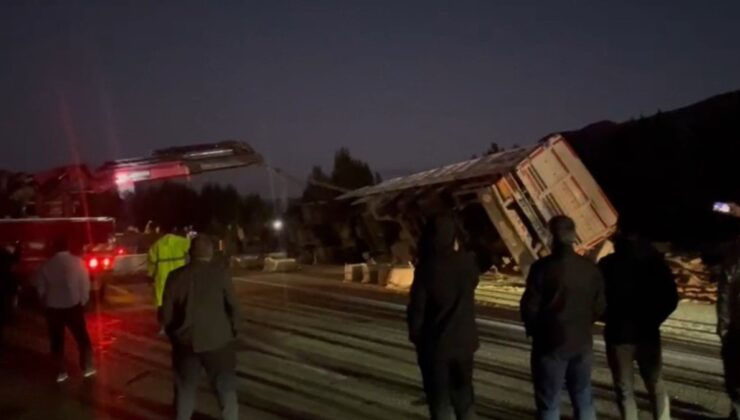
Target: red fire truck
x,y
53,202
35,236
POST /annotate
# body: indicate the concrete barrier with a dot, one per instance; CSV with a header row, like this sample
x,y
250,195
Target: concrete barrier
x,y
282,265
355,272
400,278
370,274
384,275
247,261
379,274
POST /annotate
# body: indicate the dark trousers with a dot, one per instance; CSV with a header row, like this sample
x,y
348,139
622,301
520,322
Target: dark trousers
x,y
731,362
73,319
7,303
4,320
622,358
448,385
5,310
550,371
220,367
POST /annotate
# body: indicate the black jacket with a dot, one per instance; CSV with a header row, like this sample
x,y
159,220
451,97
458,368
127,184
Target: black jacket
x,y
728,292
563,298
441,309
200,310
640,292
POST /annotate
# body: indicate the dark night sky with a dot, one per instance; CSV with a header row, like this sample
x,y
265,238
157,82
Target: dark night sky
x,y
404,84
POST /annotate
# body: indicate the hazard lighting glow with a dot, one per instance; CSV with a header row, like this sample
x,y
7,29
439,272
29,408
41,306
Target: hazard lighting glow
x,y
129,177
106,262
93,263
120,251
122,179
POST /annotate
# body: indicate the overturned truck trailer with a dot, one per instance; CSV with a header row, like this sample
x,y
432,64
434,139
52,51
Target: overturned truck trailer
x,y
518,190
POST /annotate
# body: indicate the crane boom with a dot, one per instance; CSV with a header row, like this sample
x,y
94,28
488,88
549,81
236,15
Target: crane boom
x,y
58,192
182,161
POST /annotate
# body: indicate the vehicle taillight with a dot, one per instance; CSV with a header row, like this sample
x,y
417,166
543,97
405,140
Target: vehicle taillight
x,y
120,251
93,263
106,263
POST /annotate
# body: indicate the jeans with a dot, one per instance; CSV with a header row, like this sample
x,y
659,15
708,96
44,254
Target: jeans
x,y
220,367
73,319
550,371
731,362
448,385
622,358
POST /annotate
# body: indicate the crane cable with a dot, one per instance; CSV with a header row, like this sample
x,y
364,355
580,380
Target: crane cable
x,y
312,181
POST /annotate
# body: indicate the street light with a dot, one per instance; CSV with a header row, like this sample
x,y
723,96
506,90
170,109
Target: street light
x,y
277,225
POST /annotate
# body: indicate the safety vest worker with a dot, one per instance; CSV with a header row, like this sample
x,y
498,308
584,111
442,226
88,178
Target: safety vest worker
x,y
169,253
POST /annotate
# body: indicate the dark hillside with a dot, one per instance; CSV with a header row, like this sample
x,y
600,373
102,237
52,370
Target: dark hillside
x,y
663,172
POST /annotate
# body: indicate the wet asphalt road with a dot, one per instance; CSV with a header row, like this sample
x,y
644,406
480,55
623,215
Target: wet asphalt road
x,y
308,348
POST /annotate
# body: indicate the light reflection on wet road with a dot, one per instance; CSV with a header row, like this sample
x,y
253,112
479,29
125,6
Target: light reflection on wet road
x,y
308,348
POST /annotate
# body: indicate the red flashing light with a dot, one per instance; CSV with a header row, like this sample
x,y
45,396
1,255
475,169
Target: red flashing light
x,y
120,251
106,263
93,263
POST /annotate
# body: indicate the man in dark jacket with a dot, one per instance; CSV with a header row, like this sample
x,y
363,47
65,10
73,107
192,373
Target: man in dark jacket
x,y
200,313
9,257
441,319
563,298
640,295
727,274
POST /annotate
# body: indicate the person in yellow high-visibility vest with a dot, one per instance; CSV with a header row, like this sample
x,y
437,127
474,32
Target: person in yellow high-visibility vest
x,y
166,255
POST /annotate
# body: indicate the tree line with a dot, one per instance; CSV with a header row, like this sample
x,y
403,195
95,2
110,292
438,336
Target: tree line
x,y
215,207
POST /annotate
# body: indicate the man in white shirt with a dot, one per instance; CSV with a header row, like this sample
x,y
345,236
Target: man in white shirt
x,y
63,285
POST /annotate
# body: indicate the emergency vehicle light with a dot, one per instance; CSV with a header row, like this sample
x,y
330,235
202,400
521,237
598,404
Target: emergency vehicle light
x,y
93,263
